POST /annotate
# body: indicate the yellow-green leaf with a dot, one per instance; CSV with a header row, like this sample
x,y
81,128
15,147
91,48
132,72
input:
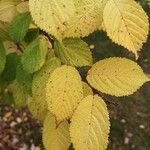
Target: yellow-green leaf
x,y
126,23
74,51
4,28
40,78
116,76
23,78
89,128
87,90
2,57
52,15
64,92
55,138
34,55
19,95
7,10
38,108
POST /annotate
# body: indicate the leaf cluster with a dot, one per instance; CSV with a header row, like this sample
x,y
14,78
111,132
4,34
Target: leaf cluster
x,y
42,50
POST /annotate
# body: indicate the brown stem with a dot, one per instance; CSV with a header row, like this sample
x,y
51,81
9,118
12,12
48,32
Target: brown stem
x,y
19,48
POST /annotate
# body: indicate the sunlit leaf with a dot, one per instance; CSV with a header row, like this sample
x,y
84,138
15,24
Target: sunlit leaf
x,y
116,76
55,138
64,92
90,124
126,24
52,16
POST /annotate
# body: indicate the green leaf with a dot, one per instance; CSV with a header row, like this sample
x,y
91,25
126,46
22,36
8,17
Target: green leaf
x,y
19,95
2,57
7,99
9,72
19,27
34,55
24,79
31,35
74,51
21,75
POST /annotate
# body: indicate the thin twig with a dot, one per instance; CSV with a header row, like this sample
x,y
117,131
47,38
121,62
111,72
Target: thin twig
x,y
19,48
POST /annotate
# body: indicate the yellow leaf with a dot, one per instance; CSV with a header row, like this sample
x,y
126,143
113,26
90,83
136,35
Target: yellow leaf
x,y
64,92
68,18
87,90
89,128
87,19
23,7
102,27
55,138
116,76
126,23
52,15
